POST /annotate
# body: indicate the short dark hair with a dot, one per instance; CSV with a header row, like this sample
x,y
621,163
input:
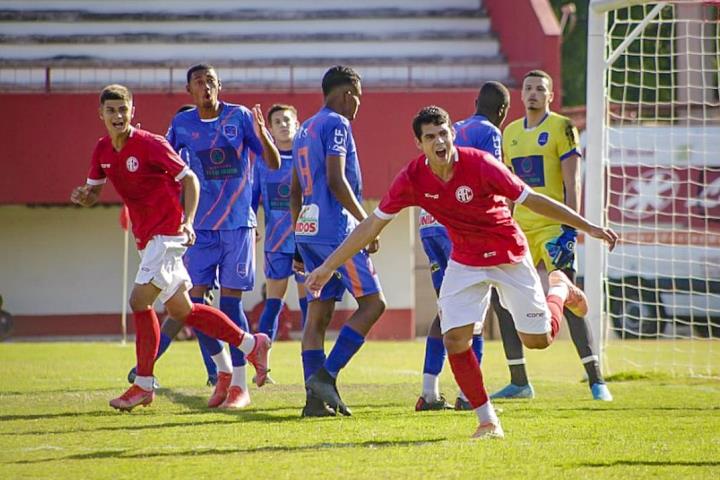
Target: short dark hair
x,y
429,115
279,107
337,76
197,68
185,108
540,74
491,97
115,92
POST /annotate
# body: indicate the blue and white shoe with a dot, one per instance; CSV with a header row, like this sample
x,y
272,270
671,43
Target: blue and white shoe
x,y
515,391
600,391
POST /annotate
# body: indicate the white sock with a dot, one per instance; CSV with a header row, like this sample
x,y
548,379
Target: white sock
x,y
431,387
146,383
222,361
560,290
486,413
247,343
239,378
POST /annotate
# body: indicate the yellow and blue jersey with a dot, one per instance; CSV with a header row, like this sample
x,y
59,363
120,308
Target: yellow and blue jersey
x,y
536,155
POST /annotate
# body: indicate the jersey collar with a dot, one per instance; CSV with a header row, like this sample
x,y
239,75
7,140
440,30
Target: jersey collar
x,y
547,114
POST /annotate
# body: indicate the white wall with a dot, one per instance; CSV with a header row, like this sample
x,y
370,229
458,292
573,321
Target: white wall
x,y
64,260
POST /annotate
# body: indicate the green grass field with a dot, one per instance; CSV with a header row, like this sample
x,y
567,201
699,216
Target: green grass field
x,y
55,421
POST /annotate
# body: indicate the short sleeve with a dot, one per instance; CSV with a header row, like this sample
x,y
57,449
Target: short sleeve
x,y
337,139
96,175
161,153
400,195
569,143
503,182
251,139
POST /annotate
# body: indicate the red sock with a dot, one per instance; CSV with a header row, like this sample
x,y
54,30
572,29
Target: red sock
x,y
466,369
214,323
147,339
555,304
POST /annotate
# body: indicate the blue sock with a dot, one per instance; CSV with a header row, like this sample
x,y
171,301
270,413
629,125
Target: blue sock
x,y
303,310
232,307
269,317
312,361
478,344
434,356
205,352
164,344
347,344
208,346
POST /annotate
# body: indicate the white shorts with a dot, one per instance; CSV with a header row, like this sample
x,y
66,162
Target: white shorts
x,y
465,295
162,265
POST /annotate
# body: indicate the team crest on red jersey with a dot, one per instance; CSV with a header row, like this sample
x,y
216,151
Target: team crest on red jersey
x,y
464,194
132,164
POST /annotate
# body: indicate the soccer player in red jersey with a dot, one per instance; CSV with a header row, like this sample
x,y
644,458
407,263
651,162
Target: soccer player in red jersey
x,y
150,177
466,190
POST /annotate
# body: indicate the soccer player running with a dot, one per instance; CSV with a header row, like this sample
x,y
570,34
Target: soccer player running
x,y
273,187
480,131
326,205
220,139
150,177
543,150
170,327
465,189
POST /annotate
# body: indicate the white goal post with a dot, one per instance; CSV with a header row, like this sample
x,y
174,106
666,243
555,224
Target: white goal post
x,y
652,172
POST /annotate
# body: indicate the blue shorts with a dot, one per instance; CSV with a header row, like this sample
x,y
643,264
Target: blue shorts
x,y
357,275
278,266
228,255
437,248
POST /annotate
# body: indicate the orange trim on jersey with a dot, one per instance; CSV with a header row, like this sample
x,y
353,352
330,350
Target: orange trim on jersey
x,y
287,233
232,201
354,278
212,208
271,232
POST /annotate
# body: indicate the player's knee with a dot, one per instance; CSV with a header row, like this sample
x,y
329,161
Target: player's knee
x,y
138,304
536,342
456,341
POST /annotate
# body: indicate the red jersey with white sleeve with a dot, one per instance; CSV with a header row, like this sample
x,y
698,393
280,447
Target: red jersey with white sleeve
x,y
471,205
146,174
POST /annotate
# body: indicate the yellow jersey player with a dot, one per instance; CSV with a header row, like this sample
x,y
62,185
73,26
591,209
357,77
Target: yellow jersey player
x,y
543,149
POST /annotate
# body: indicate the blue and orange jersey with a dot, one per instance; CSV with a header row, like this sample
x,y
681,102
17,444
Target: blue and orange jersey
x,y
323,219
273,188
478,132
221,153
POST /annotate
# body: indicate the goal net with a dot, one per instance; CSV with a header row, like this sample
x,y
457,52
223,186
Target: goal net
x,y
653,175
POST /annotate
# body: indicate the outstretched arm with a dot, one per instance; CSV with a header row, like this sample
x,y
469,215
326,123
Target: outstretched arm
x,y
270,151
549,208
363,234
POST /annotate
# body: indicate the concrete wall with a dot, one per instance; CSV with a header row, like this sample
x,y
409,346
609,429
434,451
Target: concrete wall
x,y
58,261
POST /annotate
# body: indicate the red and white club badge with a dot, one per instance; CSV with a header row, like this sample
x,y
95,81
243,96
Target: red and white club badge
x,y
464,194
132,164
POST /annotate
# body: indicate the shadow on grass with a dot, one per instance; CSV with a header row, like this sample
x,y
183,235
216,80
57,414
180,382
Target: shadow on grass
x,y
125,455
651,463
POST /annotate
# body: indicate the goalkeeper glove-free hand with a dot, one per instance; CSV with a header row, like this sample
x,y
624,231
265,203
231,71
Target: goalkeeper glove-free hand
x,y
562,249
